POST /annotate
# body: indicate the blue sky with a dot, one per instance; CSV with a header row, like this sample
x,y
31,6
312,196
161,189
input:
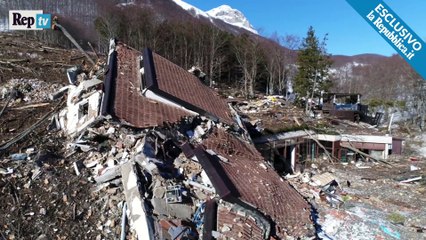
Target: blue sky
x,y
349,33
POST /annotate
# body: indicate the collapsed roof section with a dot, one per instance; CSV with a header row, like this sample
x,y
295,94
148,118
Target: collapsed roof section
x,y
175,83
147,91
258,185
123,98
237,224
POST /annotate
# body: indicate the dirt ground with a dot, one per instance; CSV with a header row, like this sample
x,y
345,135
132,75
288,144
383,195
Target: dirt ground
x,y
50,200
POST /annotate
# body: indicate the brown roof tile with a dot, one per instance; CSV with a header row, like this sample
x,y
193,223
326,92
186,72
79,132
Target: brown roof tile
x,y
260,187
240,227
129,105
183,85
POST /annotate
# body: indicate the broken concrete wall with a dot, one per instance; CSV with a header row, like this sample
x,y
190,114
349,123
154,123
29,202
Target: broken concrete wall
x,y
380,144
135,201
83,106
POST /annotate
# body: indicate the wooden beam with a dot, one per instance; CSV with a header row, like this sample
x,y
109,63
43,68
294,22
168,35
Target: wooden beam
x,y
363,154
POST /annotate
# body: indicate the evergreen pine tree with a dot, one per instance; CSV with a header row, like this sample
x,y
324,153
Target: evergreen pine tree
x,y
313,64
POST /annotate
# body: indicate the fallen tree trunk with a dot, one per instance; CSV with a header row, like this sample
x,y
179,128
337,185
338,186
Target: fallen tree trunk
x,y
17,66
329,156
8,61
364,154
322,146
30,129
5,106
31,106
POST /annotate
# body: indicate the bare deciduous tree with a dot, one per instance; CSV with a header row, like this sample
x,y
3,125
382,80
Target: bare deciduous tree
x,y
247,52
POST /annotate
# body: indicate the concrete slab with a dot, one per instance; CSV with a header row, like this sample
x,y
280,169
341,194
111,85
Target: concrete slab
x,y
134,201
176,210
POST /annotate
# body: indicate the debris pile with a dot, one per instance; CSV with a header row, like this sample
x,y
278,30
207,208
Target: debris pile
x,y
172,185
27,90
262,105
149,145
147,151
360,200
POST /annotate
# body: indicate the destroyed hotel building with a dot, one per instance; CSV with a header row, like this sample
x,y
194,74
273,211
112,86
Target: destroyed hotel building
x,y
193,171
190,168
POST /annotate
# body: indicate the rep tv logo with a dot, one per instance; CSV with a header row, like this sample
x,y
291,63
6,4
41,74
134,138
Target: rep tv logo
x,y
28,20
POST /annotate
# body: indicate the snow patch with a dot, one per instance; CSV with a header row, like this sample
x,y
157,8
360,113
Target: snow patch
x,y
422,148
356,64
127,4
231,16
4,24
190,8
225,13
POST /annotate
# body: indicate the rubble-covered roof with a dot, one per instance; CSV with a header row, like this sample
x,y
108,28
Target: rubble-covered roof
x,y
261,186
237,226
175,83
283,136
129,105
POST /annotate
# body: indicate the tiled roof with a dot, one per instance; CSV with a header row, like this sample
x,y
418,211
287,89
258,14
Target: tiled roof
x,y
129,105
234,226
260,187
181,84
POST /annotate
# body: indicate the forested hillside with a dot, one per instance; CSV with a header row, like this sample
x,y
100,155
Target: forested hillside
x,y
246,62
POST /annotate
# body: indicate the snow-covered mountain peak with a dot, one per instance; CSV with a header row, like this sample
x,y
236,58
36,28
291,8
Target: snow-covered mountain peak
x,y
231,16
224,13
223,7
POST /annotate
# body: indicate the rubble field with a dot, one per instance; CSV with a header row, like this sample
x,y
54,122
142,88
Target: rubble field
x,y
42,197
365,199
72,168
372,200
34,70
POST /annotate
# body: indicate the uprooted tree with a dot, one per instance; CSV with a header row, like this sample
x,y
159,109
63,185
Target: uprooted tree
x,y
313,64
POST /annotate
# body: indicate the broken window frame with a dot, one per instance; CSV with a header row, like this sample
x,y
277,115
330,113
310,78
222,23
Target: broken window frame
x,y
83,109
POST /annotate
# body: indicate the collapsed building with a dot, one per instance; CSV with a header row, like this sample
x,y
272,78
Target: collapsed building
x,y
131,149
296,148
337,138
348,106
188,166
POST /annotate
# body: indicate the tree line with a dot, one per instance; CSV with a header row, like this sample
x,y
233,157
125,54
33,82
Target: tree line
x,y
245,61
